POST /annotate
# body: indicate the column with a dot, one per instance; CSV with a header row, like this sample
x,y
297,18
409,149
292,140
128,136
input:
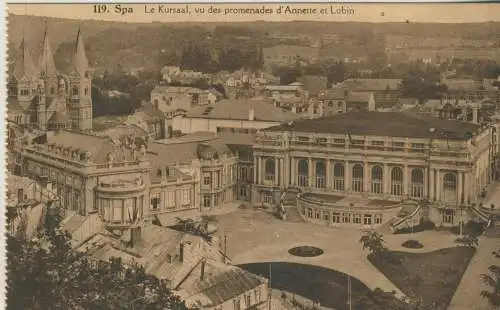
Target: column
x,y
311,172
466,188
261,171
460,187
276,170
426,182
432,185
347,176
438,185
328,173
293,177
366,177
286,171
406,181
387,179
254,170
282,182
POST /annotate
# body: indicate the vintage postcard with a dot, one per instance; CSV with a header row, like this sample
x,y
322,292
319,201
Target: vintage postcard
x,y
283,156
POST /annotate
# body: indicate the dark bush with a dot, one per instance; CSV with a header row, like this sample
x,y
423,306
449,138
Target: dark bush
x,y
412,244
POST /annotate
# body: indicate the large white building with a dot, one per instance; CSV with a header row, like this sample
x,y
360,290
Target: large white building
x,y
376,156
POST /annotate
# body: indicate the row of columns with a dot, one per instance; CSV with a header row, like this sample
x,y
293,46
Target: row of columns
x,y
433,179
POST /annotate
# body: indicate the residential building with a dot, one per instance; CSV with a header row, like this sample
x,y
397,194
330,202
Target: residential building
x,y
239,115
371,156
386,92
44,98
174,100
213,285
341,100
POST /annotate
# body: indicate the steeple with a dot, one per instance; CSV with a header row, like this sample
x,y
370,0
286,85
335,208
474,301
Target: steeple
x,y
47,59
80,63
23,64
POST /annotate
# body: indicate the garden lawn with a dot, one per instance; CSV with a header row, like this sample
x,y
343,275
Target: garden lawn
x,y
432,276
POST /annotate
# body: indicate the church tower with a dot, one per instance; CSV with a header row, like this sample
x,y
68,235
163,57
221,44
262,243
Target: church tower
x,y
22,83
47,87
80,85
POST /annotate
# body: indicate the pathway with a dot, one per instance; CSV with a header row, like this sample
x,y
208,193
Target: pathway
x,y
467,295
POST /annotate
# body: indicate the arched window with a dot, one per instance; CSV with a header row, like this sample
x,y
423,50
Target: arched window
x,y
74,91
417,183
270,173
338,177
357,178
320,174
86,91
397,181
303,174
377,180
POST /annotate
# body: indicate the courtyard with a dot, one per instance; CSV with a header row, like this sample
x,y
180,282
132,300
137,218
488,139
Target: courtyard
x,y
256,236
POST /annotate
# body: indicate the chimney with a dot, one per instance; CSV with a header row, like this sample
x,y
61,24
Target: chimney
x,y
202,274
251,112
181,252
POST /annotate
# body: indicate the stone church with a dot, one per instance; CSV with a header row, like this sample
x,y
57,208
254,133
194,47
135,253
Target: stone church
x,y
44,98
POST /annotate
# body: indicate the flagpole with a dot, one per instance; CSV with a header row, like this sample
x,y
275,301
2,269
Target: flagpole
x,y
349,293
270,287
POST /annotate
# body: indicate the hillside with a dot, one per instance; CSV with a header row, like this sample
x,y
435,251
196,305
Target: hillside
x,y
151,45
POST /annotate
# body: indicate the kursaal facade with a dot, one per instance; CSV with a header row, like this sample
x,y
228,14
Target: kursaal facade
x,y
360,168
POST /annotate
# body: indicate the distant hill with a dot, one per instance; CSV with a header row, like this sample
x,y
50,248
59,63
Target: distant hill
x,y
144,45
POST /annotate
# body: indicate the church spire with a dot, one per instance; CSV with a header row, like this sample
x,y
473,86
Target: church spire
x,y
47,59
23,64
80,63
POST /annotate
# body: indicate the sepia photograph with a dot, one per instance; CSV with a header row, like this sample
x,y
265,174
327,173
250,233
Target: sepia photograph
x,y
252,156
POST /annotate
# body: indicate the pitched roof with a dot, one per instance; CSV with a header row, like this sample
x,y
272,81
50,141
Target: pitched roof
x,y
336,93
99,147
238,109
59,117
461,84
47,58
359,96
389,124
80,62
220,283
23,63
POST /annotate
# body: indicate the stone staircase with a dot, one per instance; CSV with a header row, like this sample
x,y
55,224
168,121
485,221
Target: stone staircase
x,y
293,215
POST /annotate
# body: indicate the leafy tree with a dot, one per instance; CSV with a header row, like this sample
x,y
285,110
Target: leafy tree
x,y
336,73
374,242
422,85
45,273
492,280
469,240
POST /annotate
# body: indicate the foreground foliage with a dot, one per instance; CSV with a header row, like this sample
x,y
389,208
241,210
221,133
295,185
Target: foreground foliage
x,y
45,273
492,280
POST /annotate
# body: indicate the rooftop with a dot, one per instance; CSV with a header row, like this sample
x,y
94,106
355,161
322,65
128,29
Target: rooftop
x,y
232,109
389,124
220,283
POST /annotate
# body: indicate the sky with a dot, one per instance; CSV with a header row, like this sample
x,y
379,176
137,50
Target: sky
x,y
359,12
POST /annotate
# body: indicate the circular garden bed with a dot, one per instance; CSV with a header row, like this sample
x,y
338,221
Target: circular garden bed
x,y
412,244
305,251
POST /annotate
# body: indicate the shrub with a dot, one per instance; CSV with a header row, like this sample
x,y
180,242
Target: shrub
x,y
412,244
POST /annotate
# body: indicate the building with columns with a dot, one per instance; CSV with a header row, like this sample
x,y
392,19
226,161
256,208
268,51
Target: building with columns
x,y
383,156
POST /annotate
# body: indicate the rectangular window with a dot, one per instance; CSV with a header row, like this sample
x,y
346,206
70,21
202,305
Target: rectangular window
x,y
303,140
207,201
236,303
336,218
346,218
206,180
377,218
367,219
321,141
377,143
171,199
356,218
339,141
326,215
186,197
117,210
